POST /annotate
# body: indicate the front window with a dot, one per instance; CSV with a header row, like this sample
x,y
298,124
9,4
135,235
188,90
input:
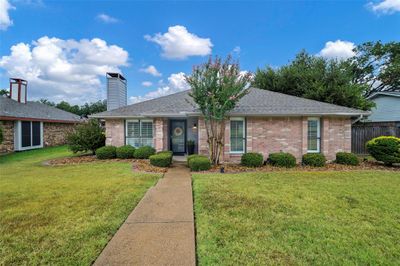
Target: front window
x,y
139,133
314,137
30,134
237,137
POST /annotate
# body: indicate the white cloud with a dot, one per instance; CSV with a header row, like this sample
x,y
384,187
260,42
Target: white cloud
x,y
178,43
107,18
5,20
152,70
64,69
236,50
385,6
176,83
338,50
147,83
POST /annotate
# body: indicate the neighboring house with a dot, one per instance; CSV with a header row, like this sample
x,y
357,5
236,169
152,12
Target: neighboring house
x,y
384,120
263,121
387,107
30,125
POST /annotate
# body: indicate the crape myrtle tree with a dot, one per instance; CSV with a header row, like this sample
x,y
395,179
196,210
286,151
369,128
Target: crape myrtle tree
x,y
216,87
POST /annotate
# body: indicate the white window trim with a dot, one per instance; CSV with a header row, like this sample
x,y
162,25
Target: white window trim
x,y
244,135
140,127
18,137
318,150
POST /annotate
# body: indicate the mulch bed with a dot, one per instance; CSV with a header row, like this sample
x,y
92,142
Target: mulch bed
x,y
137,165
236,168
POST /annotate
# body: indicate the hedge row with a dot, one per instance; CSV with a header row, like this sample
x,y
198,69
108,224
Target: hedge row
x,y
124,152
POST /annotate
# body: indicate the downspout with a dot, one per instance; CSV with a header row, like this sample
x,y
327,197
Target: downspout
x,y
358,119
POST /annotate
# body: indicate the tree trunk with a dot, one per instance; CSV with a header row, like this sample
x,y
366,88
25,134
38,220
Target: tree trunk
x,y
215,139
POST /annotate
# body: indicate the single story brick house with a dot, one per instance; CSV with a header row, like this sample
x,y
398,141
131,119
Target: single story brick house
x,y
263,121
30,125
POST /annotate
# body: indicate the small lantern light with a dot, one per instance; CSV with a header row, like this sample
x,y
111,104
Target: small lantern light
x,y
194,126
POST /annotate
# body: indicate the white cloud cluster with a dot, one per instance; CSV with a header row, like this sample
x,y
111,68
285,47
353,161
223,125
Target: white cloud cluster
x,y
147,83
5,20
64,69
178,43
385,6
176,83
338,50
152,70
107,18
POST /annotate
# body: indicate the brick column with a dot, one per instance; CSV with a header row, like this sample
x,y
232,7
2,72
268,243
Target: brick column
x,y
115,134
160,134
304,143
325,138
202,137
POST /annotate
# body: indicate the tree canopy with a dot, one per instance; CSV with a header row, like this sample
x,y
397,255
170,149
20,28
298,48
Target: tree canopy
x,y
83,110
377,65
316,78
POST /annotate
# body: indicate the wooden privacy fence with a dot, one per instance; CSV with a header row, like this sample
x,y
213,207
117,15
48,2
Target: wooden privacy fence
x,y
363,132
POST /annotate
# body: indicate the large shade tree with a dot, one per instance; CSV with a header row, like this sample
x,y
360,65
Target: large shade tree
x,y
317,78
216,87
377,65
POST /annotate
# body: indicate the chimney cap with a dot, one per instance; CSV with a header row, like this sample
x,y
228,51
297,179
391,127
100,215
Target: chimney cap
x,y
18,80
115,75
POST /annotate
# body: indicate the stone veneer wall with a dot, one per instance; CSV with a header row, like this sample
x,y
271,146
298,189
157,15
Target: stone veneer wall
x,y
8,136
56,133
115,132
288,134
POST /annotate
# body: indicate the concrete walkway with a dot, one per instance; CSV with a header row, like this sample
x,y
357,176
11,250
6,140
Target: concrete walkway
x,y
160,230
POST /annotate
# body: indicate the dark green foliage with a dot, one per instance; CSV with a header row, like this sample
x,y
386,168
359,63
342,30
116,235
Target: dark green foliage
x,y
165,152
125,152
106,152
377,65
144,152
252,159
347,158
316,78
282,159
1,134
314,159
161,159
194,156
83,110
385,149
86,137
199,163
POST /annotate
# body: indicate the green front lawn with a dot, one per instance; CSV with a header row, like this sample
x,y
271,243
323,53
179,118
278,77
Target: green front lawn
x,y
63,214
339,218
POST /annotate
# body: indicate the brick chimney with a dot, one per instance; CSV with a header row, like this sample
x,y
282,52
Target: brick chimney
x,y
18,89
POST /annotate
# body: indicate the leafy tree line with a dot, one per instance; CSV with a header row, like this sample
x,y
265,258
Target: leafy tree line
x,y
375,67
83,110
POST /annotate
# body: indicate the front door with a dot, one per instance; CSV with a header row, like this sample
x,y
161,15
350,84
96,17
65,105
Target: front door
x,y
178,136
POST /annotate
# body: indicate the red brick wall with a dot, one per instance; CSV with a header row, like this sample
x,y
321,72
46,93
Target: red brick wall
x,y
115,134
8,136
160,134
288,134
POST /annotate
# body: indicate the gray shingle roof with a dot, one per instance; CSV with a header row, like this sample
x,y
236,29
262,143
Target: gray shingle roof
x,y
34,110
256,103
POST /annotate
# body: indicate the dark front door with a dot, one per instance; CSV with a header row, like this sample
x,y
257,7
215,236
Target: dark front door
x,y
178,136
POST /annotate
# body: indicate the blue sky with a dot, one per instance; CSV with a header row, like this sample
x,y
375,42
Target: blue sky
x,y
87,38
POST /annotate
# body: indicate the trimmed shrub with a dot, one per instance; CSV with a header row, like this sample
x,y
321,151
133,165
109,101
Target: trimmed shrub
x,y
165,152
347,158
199,163
106,152
314,159
194,156
385,149
144,152
282,159
162,159
252,159
125,152
86,137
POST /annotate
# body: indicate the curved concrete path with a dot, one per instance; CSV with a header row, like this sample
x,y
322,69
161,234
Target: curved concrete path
x,y
160,230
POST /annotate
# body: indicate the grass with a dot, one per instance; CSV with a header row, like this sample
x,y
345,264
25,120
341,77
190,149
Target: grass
x,y
298,218
62,215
